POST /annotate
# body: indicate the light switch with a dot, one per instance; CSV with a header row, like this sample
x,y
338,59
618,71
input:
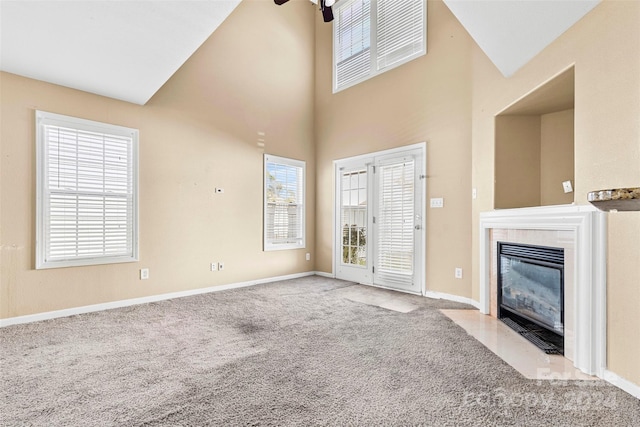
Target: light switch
x,y
566,185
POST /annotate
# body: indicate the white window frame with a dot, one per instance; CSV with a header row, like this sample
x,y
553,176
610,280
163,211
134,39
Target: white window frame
x,y
374,70
269,244
44,119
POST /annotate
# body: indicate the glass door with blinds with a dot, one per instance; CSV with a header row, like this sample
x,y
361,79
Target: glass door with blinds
x,y
379,211
397,222
354,221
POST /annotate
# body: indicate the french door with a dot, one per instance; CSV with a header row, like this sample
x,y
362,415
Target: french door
x,y
379,222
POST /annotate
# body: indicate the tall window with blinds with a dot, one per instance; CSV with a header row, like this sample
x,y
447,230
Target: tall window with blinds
x,y
373,36
284,202
86,192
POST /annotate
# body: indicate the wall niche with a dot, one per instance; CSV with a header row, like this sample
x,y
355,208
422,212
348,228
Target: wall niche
x,y
534,147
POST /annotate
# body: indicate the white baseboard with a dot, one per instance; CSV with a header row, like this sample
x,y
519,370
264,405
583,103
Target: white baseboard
x,y
626,385
323,274
143,300
450,297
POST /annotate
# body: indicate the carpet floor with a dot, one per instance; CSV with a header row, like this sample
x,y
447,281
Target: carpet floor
x,y
289,353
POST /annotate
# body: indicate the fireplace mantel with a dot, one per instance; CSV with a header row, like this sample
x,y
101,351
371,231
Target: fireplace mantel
x,y
588,226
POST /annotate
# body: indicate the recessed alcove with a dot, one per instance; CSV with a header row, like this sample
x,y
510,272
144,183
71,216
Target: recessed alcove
x,y
534,147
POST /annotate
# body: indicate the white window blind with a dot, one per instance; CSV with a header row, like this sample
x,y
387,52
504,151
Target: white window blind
x,y
87,192
396,222
372,36
284,224
401,30
353,41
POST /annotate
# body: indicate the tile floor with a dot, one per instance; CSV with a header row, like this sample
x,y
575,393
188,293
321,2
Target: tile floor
x,y
390,300
523,356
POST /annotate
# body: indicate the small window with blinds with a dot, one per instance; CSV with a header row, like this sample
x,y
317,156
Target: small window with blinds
x,y
373,36
284,200
87,177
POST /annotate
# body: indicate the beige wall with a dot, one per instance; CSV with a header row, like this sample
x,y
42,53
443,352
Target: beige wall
x,y
427,99
517,159
623,295
534,154
604,48
556,157
199,132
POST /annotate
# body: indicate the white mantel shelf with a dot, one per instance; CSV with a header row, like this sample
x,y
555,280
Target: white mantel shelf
x,y
588,225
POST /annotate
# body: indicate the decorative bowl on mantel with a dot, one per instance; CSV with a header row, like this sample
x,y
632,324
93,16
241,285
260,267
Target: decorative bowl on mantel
x,y
619,199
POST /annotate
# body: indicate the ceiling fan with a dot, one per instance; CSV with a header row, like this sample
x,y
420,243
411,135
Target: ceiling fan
x,y
325,7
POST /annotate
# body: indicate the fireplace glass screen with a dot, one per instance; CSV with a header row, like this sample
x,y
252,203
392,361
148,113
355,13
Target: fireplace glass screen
x,y
533,291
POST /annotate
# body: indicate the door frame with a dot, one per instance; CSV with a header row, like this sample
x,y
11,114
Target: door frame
x,y
337,234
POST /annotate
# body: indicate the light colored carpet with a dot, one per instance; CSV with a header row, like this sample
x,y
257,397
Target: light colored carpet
x,y
289,353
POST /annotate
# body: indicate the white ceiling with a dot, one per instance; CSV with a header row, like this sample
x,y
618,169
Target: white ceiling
x,y
512,32
128,49
121,49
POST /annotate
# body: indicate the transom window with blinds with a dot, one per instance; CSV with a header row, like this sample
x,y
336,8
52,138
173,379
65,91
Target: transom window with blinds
x,y
284,202
87,179
373,36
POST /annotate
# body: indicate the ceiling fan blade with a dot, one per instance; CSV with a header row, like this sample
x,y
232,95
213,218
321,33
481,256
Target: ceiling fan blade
x,y
327,13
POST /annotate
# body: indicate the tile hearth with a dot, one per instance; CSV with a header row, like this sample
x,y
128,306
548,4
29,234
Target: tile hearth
x,y
515,350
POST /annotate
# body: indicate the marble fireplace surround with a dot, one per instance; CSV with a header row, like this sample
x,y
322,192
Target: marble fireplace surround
x,y
581,231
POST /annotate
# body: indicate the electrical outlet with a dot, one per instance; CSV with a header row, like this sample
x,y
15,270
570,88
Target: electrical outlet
x,y
214,266
458,273
220,266
144,273
308,256
437,202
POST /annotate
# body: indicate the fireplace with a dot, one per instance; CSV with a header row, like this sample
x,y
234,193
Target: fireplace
x,y
582,232
531,293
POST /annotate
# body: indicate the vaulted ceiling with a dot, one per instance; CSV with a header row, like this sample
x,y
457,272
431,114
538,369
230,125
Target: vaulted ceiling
x,y
512,32
128,49
121,49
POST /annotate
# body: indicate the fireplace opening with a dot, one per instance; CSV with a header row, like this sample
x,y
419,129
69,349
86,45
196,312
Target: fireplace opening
x,y
531,293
